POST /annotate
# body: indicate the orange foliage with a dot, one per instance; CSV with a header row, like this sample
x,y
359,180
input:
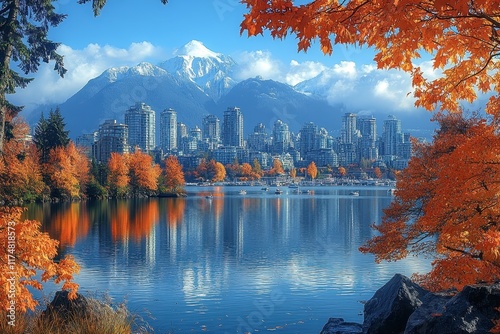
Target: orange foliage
x,y
143,173
342,171
461,37
312,170
25,250
293,173
447,206
20,175
68,170
118,177
377,172
277,168
174,176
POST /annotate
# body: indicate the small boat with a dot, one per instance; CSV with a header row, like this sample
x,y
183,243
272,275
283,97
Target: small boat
x,y
209,196
264,188
310,192
354,193
243,192
278,191
293,186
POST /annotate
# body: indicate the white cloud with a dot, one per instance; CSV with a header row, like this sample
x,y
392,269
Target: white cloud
x,y
82,65
298,72
258,63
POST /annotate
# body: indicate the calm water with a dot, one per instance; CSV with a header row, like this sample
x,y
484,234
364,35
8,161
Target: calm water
x,y
231,264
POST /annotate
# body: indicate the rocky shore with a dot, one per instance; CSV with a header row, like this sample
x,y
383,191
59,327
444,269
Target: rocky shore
x,y
401,306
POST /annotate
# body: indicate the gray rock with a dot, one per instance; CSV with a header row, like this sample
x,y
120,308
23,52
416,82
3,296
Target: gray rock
x,y
432,305
470,311
390,307
339,326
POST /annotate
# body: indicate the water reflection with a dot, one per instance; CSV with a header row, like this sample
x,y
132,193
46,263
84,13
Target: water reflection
x,y
199,260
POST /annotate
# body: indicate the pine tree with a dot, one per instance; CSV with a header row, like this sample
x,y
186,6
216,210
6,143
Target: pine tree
x,y
50,133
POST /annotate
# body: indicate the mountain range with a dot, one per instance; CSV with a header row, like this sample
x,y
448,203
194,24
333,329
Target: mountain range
x,y
197,82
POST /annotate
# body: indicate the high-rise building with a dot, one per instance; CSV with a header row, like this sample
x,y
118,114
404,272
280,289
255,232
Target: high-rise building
x,y
182,133
258,140
140,120
232,127
349,129
367,126
87,142
211,128
168,130
392,136
281,137
111,137
308,138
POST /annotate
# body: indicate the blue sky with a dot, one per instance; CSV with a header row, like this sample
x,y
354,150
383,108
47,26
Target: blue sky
x,y
130,31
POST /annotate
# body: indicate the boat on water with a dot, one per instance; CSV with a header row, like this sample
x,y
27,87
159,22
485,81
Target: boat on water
x,y
209,196
264,188
354,193
243,192
293,186
278,191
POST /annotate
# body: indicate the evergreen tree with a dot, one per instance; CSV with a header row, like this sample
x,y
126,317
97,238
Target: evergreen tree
x,y
24,26
50,133
56,134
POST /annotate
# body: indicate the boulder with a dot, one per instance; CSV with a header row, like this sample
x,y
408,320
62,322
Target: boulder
x,y
432,305
339,326
470,311
390,307
63,307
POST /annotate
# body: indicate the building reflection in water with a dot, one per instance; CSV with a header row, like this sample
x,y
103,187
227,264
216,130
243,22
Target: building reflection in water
x,y
202,255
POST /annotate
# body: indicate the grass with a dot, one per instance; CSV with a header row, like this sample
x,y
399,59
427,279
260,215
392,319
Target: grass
x,y
101,318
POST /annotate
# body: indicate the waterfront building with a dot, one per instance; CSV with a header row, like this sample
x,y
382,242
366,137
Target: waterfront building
x,y
168,130
182,132
281,137
111,137
232,127
308,138
211,128
392,136
141,123
367,127
258,140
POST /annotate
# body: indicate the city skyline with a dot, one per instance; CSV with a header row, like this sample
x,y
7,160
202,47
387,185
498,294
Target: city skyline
x,y
358,142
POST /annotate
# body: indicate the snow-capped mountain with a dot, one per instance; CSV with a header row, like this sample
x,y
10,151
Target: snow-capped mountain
x,y
211,71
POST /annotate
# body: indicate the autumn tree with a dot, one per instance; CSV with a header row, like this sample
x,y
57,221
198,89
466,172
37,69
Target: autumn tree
x,y
447,206
377,172
342,171
312,170
173,176
67,171
461,37
293,173
143,174
219,172
28,259
20,175
118,175
277,168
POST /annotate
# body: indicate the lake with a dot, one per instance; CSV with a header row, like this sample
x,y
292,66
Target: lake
x,y
232,263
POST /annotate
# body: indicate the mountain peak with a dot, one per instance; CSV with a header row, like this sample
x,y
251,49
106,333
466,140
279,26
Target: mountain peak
x,y
196,49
